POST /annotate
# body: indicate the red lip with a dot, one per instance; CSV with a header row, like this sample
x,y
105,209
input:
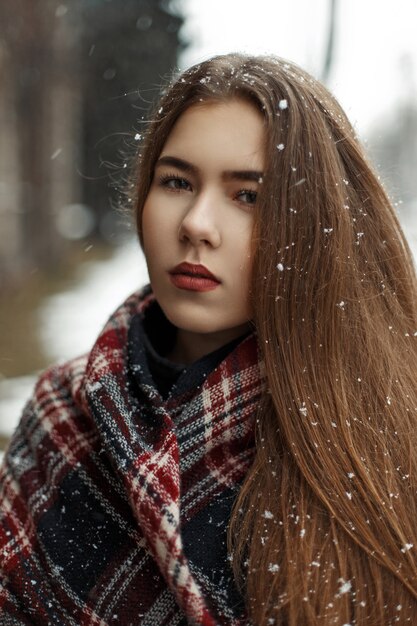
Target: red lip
x,y
197,271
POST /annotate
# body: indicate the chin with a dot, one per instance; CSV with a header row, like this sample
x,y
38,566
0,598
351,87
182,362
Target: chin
x,y
193,323
199,317
204,324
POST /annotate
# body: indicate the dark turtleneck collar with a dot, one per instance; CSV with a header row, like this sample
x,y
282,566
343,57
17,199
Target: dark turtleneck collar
x,y
151,337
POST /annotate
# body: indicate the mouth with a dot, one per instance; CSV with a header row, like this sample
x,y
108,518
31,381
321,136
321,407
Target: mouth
x,y
194,271
197,278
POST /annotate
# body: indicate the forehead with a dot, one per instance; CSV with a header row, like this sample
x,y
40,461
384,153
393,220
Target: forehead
x,y
226,130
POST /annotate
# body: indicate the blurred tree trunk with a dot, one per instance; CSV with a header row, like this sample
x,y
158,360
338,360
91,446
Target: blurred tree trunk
x,y
37,48
393,142
28,36
331,38
33,57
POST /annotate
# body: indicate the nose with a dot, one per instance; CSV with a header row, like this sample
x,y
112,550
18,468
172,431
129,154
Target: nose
x,y
199,224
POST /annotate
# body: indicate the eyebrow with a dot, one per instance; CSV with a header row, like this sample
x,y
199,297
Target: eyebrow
x,y
189,168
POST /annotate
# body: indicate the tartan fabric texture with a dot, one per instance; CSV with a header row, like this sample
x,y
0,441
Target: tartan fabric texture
x,y
107,490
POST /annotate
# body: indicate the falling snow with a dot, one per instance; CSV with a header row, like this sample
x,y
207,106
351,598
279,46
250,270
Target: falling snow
x,y
273,567
345,587
56,153
406,547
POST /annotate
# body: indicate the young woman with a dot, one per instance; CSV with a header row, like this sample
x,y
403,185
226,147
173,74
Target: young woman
x,y
240,445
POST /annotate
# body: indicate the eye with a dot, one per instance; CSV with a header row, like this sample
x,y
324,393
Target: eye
x,y
174,182
247,196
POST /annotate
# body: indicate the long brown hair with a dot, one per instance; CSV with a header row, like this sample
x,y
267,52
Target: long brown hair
x,y
324,529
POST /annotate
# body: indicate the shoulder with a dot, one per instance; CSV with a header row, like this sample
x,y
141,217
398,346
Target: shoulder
x,y
64,385
58,411
61,384
54,431
56,405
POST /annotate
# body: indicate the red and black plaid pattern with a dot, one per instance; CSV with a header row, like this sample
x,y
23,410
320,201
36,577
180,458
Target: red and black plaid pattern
x,y
113,499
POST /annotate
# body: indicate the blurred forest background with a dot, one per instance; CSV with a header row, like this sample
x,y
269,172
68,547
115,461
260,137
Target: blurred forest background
x,y
76,84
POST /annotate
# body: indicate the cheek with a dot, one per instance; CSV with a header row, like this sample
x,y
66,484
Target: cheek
x,y
150,248
150,226
158,233
144,223
245,269
244,253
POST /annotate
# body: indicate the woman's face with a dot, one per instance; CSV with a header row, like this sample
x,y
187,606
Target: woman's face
x,y
199,211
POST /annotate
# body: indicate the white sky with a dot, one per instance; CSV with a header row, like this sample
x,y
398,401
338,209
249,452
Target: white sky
x,y
373,37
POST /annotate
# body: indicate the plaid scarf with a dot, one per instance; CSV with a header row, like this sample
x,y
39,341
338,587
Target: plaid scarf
x,y
114,501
